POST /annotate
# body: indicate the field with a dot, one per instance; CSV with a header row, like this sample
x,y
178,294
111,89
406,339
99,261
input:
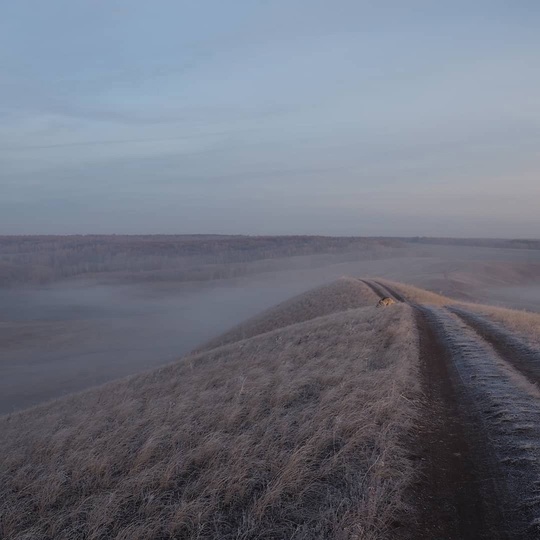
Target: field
x,y
295,432
320,416
314,419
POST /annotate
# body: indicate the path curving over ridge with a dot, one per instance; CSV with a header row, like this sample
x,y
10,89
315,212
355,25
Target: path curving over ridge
x,y
478,441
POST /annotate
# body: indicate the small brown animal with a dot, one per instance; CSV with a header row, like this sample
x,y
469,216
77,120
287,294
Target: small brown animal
x,y
386,301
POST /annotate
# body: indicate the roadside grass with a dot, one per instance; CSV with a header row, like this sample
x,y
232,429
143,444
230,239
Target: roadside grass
x,y
523,323
417,295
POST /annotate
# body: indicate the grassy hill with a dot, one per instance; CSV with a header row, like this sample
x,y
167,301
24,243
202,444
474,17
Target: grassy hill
x,y
324,417
346,293
297,432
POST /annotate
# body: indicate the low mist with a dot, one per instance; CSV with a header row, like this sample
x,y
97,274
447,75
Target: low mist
x,y
69,337
72,335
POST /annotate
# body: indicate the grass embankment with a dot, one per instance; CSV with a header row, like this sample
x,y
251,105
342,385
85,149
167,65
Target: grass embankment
x,y
300,432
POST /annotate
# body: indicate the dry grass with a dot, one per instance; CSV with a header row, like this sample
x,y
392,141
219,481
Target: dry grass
x,y
345,293
297,433
523,323
417,295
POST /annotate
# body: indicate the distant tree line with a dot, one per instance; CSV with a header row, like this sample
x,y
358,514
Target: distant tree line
x,y
517,243
45,259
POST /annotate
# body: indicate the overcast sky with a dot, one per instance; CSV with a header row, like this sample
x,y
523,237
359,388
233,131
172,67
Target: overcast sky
x,y
270,117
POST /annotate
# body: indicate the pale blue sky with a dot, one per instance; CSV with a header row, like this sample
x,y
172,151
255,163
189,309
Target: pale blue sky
x,y
270,117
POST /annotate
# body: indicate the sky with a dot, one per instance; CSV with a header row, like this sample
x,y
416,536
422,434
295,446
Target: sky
x,y
270,117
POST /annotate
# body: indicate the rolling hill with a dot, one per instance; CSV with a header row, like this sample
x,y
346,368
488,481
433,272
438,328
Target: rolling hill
x,y
324,417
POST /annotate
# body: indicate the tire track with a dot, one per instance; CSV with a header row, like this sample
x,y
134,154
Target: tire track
x,y
479,438
451,493
378,291
453,504
499,411
521,355
392,292
383,291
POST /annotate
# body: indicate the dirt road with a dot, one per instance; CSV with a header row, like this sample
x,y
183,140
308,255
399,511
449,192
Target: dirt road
x,y
479,439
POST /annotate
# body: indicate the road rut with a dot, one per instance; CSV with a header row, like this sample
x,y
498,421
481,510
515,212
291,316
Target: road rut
x,y
478,442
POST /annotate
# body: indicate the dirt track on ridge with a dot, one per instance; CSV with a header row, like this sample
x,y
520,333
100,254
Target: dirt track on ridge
x,y
479,436
456,498
382,290
522,356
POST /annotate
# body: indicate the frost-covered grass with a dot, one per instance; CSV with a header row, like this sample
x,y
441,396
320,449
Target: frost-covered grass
x,y
417,295
345,293
524,323
504,404
300,432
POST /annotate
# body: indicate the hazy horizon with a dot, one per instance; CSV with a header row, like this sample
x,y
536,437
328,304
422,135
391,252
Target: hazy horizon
x,y
299,117
262,235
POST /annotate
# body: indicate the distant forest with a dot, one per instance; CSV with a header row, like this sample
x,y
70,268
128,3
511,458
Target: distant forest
x,y
182,258
480,242
45,259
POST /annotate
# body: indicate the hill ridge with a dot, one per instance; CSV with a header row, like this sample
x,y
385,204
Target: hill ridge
x,y
339,295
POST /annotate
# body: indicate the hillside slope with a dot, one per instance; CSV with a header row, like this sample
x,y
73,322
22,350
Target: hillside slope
x,y
324,417
300,432
345,293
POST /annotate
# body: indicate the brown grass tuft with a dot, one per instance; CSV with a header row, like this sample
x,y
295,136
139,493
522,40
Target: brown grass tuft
x,y
417,295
